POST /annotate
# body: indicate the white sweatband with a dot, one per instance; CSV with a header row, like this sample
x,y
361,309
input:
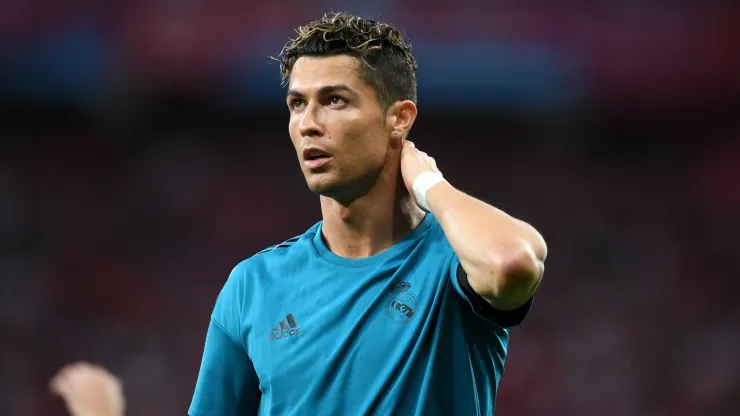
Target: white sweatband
x,y
422,184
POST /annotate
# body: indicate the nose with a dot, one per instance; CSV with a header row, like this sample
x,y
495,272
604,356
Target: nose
x,y
310,124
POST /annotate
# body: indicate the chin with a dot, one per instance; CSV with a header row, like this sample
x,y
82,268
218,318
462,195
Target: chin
x,y
341,189
323,186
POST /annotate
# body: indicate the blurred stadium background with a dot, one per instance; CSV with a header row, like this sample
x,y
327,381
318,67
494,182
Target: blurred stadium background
x,y
144,152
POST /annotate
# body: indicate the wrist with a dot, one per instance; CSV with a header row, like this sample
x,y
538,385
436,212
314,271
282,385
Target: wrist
x,y
423,184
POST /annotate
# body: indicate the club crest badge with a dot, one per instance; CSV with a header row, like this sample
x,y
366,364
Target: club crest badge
x,y
403,305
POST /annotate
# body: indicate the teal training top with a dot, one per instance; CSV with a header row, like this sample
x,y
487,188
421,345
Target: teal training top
x,y
298,330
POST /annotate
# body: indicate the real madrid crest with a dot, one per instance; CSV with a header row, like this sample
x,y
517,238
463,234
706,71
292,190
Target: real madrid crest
x,y
403,305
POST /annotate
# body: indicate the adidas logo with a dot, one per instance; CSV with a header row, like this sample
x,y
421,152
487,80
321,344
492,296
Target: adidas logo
x,y
287,328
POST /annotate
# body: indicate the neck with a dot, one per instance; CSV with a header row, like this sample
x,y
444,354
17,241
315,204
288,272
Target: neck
x,y
372,223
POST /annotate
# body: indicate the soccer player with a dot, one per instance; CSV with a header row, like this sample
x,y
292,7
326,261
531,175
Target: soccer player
x,y
400,301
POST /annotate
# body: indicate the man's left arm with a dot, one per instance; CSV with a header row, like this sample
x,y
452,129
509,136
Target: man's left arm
x,y
502,256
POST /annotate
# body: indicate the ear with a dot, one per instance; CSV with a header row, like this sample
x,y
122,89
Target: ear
x,y
400,117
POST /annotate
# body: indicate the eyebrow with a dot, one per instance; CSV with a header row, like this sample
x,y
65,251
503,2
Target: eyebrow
x,y
323,90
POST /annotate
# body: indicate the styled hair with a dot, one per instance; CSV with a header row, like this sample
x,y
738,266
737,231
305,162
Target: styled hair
x,y
389,66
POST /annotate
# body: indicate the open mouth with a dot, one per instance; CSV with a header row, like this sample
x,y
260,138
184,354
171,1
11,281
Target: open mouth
x,y
315,158
314,155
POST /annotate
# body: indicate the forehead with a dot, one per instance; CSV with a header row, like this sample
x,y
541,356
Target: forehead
x,y
312,73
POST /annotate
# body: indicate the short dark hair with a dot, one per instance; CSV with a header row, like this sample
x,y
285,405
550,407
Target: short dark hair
x,y
390,68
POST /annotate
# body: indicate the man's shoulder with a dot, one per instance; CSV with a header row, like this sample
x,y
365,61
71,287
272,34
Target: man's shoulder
x,y
288,251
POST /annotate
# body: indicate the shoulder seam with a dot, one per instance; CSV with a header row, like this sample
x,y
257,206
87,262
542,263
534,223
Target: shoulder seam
x,y
284,244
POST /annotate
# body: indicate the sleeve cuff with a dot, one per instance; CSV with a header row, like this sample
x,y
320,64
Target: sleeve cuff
x,y
504,319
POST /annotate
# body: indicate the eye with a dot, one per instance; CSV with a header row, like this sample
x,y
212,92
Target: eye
x,y
336,100
296,104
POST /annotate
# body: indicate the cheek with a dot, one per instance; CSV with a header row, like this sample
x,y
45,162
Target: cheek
x,y
369,143
295,136
368,152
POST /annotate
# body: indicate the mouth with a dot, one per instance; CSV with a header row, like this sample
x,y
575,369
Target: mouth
x,y
314,158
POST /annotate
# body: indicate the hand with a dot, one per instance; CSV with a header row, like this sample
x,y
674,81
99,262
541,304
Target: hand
x,y
89,390
413,163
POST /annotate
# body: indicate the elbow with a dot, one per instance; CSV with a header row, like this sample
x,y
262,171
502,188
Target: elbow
x,y
514,276
520,259
539,248
523,267
535,241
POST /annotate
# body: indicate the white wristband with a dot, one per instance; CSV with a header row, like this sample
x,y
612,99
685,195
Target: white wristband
x,y
422,184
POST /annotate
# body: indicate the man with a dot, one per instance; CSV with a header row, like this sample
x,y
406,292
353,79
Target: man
x,y
400,300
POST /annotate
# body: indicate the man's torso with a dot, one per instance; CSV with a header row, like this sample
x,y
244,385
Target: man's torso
x,y
388,335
